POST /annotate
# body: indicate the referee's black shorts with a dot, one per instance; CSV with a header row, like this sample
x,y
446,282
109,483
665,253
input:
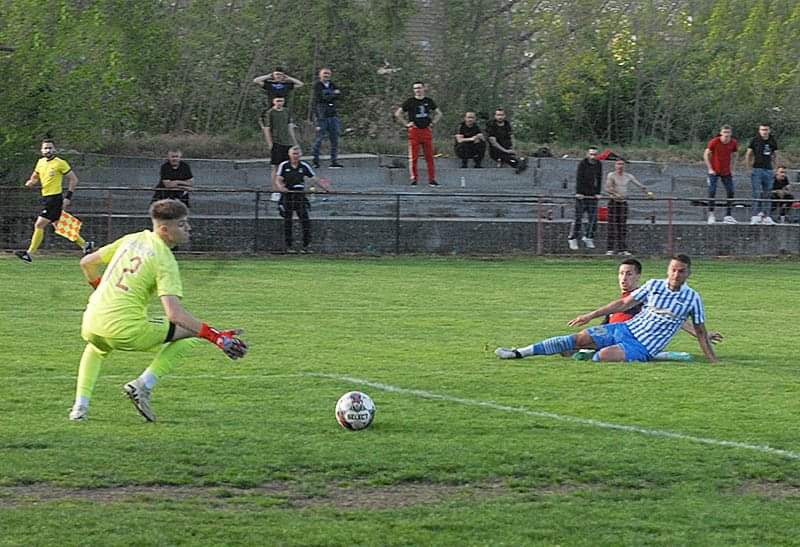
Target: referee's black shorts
x,y
53,205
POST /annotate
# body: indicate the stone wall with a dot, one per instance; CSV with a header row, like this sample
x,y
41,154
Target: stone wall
x,y
432,235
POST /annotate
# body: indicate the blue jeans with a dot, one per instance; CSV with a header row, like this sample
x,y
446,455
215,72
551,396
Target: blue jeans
x,y
588,206
727,180
332,127
761,179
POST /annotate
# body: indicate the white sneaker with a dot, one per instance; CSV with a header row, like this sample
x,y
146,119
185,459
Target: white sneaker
x,y
573,244
711,218
589,242
506,353
729,220
140,397
610,253
79,413
755,220
768,221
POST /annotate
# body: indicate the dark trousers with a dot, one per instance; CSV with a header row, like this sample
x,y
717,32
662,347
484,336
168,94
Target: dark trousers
x,y
589,207
499,155
471,151
296,204
727,180
332,127
617,225
783,207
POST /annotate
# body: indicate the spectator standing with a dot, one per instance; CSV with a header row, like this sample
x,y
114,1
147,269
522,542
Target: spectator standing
x,y
718,157
277,84
325,95
501,147
291,183
279,134
617,188
780,191
421,114
762,154
470,142
175,179
588,186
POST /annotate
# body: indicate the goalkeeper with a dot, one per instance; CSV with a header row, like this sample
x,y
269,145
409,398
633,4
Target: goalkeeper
x,y
141,265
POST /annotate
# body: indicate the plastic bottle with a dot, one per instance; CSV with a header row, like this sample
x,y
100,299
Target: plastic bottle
x,y
463,182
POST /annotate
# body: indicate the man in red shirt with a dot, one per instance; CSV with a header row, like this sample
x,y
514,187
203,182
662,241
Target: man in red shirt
x,y
717,156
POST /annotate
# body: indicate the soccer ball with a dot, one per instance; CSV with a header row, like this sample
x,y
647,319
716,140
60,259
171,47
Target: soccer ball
x,y
355,410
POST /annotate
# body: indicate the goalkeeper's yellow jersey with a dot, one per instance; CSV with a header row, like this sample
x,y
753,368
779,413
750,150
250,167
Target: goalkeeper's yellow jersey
x,y
141,265
51,174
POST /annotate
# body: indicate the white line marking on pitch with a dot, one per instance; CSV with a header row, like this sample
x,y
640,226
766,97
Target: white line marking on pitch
x,y
562,418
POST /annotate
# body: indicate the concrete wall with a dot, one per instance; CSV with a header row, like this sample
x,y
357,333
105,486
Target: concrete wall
x,y
431,235
494,211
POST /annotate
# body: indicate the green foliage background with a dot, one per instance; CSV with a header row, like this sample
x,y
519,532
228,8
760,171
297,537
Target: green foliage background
x,y
619,72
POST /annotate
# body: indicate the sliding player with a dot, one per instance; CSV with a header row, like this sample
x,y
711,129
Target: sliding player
x,y
141,265
630,270
668,303
50,171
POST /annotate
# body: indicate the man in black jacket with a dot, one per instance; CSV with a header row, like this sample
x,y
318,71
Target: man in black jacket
x,y
327,119
588,186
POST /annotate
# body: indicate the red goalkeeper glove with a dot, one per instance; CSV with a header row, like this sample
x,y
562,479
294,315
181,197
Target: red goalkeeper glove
x,y
226,340
95,282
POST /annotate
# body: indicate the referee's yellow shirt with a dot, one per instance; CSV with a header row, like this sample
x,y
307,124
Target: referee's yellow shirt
x,y
51,173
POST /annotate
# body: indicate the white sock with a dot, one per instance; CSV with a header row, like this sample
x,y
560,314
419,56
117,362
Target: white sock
x,y
149,379
527,351
82,401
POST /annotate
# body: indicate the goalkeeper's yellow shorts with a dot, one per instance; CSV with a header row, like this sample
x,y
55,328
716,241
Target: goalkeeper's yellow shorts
x,y
145,336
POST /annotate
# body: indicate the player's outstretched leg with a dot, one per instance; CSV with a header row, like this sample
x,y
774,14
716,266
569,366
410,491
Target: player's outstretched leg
x,y
89,370
550,346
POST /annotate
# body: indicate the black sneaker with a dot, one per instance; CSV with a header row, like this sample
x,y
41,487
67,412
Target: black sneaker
x,y
24,255
413,182
315,164
433,183
522,165
336,165
88,247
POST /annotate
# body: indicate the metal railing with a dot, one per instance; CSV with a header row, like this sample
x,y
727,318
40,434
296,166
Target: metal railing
x,y
249,218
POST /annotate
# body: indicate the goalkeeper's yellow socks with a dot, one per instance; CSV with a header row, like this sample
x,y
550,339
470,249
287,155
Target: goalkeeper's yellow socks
x,y
166,359
80,242
89,370
36,239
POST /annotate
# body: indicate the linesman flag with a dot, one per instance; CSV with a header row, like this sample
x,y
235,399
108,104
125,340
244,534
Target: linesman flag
x,y
68,226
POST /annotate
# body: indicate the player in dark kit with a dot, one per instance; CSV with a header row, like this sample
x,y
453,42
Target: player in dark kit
x,y
290,179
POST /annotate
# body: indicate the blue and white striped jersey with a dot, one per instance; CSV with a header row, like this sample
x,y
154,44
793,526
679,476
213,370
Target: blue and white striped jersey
x,y
664,312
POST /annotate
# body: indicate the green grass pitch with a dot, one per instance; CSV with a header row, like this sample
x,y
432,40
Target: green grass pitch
x,y
465,449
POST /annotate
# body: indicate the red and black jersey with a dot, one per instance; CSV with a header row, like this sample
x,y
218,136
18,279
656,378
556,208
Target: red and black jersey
x,y
621,317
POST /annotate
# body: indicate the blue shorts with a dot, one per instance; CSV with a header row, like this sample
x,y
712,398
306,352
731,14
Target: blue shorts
x,y
618,334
